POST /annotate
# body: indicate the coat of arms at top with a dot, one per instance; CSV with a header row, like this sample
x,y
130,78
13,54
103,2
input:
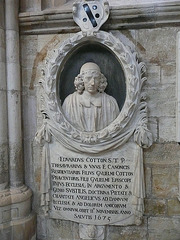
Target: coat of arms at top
x,y
90,15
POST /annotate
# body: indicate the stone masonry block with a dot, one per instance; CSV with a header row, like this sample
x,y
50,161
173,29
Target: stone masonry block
x,y
26,76
158,103
2,54
161,154
60,229
3,85
157,45
127,233
165,182
49,42
153,127
168,73
29,115
2,38
28,50
167,129
173,207
161,228
148,181
153,74
2,20
155,207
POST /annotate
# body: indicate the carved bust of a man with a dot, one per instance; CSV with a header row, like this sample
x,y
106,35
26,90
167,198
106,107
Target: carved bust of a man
x,y
90,109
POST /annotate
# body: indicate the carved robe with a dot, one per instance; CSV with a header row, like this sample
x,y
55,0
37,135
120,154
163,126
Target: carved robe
x,y
90,114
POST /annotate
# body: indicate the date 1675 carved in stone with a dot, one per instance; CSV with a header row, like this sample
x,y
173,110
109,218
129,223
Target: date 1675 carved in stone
x,y
89,108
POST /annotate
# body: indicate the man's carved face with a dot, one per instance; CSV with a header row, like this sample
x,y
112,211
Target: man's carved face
x,y
91,81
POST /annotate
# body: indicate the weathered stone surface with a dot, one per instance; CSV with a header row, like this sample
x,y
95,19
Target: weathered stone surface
x,y
158,103
153,127
29,114
158,44
26,74
12,55
28,50
148,181
155,207
127,233
167,129
161,228
2,8
41,227
168,73
2,38
59,229
165,182
173,207
153,74
3,77
162,154
157,49
2,54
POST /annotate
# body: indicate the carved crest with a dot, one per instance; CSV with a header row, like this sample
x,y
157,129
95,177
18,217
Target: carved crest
x,y
130,126
90,15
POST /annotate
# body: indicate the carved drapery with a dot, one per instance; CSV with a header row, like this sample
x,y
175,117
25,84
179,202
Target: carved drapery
x,y
131,123
132,118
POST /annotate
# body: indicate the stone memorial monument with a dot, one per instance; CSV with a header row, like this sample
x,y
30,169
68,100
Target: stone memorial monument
x,y
92,140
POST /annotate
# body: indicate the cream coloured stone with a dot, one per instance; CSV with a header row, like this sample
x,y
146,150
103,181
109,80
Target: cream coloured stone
x,y
153,74
14,112
155,207
13,73
178,88
162,155
2,38
173,207
89,108
165,181
3,117
168,73
158,103
12,49
88,232
168,228
167,129
153,126
3,85
11,16
148,182
83,144
128,232
2,54
157,53
102,189
90,16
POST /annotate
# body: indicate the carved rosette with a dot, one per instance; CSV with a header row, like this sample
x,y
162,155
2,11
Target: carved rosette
x,y
132,120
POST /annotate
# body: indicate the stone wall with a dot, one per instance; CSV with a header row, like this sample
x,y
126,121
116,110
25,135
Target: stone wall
x,y
157,48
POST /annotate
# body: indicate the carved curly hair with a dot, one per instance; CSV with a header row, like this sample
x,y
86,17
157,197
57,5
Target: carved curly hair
x,y
79,83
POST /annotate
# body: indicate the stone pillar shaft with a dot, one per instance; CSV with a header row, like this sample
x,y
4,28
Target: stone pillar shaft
x,y
14,93
4,173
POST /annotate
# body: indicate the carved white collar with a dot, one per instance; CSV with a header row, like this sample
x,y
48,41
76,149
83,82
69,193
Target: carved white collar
x,y
87,100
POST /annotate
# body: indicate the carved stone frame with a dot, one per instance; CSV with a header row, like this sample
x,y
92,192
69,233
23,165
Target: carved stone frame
x,y
132,118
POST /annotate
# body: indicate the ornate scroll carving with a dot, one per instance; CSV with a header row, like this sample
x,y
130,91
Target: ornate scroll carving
x,y
132,118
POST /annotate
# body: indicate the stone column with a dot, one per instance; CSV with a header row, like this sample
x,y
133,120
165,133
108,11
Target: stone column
x,y
14,94
178,87
3,105
16,219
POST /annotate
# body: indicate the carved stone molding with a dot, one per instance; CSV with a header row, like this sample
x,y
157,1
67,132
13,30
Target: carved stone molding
x,y
121,17
122,128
